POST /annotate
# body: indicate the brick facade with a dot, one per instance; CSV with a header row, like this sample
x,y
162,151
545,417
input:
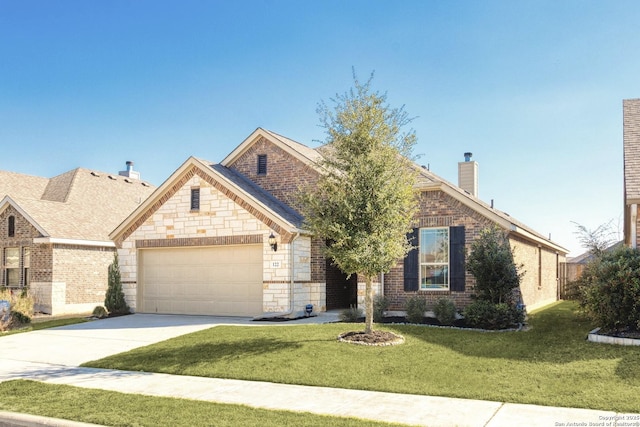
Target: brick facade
x,y
63,279
285,174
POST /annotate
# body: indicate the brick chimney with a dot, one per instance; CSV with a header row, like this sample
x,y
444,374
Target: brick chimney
x,y
468,175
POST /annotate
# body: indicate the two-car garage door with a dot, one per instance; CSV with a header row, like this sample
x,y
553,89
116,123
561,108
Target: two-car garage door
x,y
219,280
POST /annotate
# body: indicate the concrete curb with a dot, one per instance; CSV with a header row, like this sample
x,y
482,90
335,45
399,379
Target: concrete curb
x,y
14,419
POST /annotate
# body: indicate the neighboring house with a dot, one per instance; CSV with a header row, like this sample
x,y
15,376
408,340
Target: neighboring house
x,y
54,234
575,265
631,144
225,239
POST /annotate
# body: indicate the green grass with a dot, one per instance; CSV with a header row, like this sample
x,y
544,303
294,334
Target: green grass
x,y
119,409
551,364
36,326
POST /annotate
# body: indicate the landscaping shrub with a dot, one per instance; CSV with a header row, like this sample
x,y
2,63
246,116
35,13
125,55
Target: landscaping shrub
x,y
99,312
491,263
380,305
114,299
351,315
445,311
20,318
415,308
610,290
21,310
487,315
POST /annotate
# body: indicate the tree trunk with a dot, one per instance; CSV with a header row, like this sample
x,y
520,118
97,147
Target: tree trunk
x,y
368,306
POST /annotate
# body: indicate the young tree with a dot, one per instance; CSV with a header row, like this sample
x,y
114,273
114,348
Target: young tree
x,y
365,201
114,299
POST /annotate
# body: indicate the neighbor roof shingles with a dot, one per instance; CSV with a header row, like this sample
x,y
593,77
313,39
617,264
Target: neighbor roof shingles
x,y
75,205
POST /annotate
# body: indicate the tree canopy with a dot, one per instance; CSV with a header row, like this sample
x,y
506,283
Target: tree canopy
x,y
364,202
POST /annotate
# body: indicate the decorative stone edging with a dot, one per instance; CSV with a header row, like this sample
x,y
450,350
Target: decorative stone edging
x,y
594,336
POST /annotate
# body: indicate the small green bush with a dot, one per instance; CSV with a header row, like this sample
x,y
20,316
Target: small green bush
x,y
415,308
100,312
114,299
20,317
610,290
445,311
380,305
487,315
352,314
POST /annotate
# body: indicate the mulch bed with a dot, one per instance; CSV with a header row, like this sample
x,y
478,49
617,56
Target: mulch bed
x,y
378,338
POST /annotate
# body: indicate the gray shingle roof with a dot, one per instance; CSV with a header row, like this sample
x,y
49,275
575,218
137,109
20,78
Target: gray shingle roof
x,y
281,209
80,204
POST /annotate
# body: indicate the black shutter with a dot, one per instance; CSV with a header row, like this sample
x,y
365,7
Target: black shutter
x,y
412,263
456,258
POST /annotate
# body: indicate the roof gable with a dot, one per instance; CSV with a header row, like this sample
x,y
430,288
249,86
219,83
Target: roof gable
x,y
305,154
278,216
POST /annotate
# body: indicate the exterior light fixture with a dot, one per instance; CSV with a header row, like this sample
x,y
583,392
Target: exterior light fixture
x,y
273,242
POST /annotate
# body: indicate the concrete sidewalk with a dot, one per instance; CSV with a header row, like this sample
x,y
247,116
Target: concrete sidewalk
x,y
41,356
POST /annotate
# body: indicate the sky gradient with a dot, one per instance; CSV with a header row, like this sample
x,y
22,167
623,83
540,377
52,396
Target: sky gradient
x,y
533,88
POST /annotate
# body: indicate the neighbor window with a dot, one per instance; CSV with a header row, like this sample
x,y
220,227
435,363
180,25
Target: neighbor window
x,y
434,258
11,226
262,164
195,199
26,264
12,267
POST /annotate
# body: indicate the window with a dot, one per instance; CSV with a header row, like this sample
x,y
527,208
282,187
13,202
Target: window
x,y
195,199
26,264
11,226
436,263
434,258
12,267
262,164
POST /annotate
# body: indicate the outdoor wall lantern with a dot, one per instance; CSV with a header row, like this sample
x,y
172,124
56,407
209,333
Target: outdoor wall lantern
x,y
273,242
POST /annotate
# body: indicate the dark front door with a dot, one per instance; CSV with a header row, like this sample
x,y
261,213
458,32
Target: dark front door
x,y
341,292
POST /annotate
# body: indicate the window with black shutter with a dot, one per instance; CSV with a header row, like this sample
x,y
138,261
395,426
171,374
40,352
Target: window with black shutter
x,y
456,258
262,164
412,263
437,261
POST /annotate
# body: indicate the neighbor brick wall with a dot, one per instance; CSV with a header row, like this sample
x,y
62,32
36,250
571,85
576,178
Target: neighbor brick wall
x,y
23,238
84,270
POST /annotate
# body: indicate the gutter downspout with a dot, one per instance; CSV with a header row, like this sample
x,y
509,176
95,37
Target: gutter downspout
x,y
634,225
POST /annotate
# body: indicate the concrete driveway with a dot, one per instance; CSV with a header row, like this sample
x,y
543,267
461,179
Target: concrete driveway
x,y
75,344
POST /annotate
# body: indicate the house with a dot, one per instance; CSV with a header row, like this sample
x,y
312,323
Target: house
x,y
226,239
54,234
631,153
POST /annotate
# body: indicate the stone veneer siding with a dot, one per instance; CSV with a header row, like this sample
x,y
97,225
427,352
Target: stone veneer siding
x,y
220,220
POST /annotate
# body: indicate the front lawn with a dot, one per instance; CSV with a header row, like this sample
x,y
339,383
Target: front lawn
x,y
551,364
119,409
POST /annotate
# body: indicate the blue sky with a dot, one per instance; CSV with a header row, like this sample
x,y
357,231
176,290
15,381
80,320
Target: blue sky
x,y
533,88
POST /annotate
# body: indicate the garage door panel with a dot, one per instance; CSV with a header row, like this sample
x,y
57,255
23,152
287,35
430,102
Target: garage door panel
x,y
214,280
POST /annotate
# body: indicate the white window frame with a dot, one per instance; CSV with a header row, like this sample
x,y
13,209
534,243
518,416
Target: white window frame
x,y
424,263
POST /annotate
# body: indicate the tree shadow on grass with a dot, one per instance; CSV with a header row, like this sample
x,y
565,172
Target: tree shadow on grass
x,y
184,359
